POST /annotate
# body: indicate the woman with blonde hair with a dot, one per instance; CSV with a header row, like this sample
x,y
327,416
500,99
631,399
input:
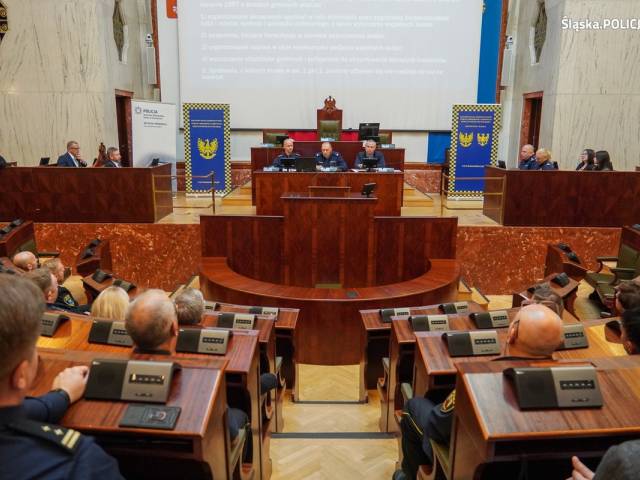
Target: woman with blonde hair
x,y
111,304
543,157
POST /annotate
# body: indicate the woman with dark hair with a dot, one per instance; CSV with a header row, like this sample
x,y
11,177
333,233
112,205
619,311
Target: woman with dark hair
x,y
602,161
586,160
630,331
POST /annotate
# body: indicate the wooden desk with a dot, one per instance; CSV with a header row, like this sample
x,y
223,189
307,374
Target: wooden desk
x,y
85,195
285,338
489,426
557,262
242,372
375,341
568,293
268,188
101,259
264,156
563,198
92,288
18,239
197,445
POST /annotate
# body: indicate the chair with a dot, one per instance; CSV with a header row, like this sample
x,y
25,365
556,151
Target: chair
x,y
329,120
627,267
271,136
385,137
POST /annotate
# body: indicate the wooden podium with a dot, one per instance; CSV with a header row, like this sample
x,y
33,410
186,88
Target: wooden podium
x,y
328,240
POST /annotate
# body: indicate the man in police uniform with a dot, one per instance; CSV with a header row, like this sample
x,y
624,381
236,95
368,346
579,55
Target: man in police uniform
x,y
527,158
64,299
370,152
535,333
287,149
30,446
327,158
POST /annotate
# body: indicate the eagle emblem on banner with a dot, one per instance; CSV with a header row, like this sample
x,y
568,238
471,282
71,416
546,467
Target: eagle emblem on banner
x,y
483,139
466,139
207,148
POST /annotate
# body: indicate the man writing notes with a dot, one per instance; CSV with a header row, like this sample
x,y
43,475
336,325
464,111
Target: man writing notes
x,y
287,154
327,158
370,153
72,158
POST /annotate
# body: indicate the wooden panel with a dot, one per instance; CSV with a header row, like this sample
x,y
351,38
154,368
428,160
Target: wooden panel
x,y
92,195
17,239
328,240
404,245
263,156
328,327
269,187
565,198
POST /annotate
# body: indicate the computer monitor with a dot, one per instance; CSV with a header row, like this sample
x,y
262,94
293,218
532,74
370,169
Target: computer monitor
x,y
368,188
502,164
369,131
44,161
306,164
154,162
288,163
370,163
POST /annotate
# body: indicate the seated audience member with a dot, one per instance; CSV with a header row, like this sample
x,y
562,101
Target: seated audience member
x,y
544,295
327,158
64,298
603,161
189,310
370,152
535,333
113,158
543,160
287,153
31,446
48,285
152,323
627,296
26,261
111,304
586,160
73,157
527,158
630,331
621,462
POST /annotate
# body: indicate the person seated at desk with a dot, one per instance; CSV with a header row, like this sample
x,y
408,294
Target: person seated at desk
x,y
603,161
370,152
627,296
535,333
189,310
287,154
152,323
48,285
111,304
64,298
327,158
587,160
26,261
527,157
621,462
73,157
113,158
543,160
30,447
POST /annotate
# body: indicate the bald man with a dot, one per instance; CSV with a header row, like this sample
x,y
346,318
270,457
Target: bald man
x,y
327,158
152,323
286,155
527,158
27,261
535,333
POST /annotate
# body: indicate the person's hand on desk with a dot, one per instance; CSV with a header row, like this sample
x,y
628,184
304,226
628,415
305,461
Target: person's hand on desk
x,y
72,380
580,470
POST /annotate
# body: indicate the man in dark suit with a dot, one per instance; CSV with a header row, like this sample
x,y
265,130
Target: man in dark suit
x,y
113,158
72,158
370,152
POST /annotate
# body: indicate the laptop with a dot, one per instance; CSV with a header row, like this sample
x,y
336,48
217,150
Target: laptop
x,y
44,161
306,164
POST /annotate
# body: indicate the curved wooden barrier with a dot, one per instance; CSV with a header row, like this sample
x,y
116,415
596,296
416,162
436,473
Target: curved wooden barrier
x,y
329,326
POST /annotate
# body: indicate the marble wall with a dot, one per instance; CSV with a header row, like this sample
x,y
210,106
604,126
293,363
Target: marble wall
x,y
59,70
590,80
497,260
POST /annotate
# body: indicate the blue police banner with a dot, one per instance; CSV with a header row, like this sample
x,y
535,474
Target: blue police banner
x,y
207,147
474,144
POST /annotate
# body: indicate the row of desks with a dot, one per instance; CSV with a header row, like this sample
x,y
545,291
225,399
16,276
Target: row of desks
x,y
237,383
482,434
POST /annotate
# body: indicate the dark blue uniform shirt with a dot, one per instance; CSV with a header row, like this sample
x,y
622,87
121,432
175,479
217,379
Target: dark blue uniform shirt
x,y
277,162
31,447
334,158
376,154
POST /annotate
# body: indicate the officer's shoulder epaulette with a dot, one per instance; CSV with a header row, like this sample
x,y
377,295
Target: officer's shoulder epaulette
x,y
66,438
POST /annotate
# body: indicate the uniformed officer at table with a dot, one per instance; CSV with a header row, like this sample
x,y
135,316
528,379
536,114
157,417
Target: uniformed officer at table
x,y
31,444
327,158
370,152
287,154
